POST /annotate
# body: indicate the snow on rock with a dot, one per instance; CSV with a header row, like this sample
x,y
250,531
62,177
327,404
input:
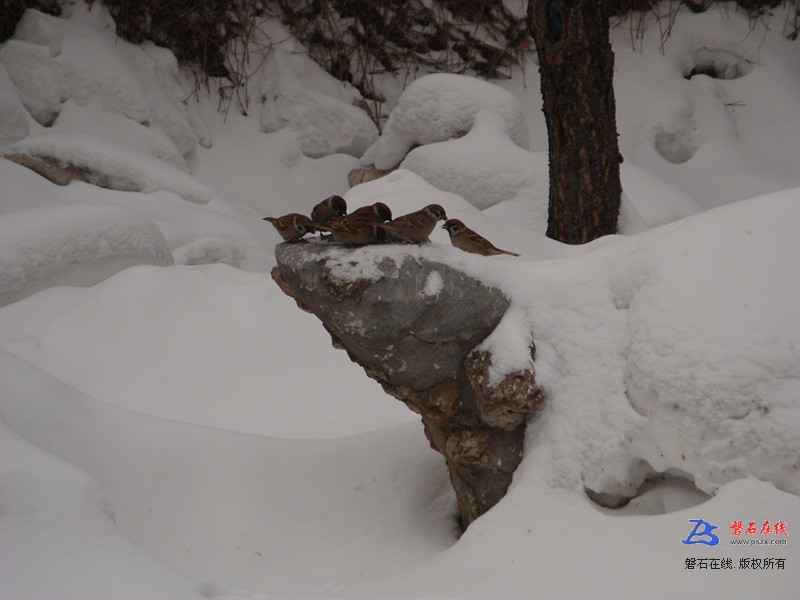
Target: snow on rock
x,y
439,107
93,119
14,119
74,245
181,222
418,346
511,224
484,166
113,166
471,137
510,345
37,76
79,57
299,95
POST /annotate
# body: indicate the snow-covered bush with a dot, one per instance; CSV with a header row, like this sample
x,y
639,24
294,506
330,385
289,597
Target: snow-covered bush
x,y
51,60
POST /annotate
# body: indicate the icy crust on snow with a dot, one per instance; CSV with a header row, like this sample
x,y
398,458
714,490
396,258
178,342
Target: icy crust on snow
x,y
442,106
78,245
52,60
298,94
108,164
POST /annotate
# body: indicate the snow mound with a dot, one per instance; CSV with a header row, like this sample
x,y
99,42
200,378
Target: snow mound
x,y
299,95
14,119
53,59
716,370
683,340
93,119
484,167
75,245
217,374
110,165
181,222
60,503
442,106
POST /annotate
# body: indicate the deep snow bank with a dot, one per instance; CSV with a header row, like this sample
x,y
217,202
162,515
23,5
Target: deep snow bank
x,y
672,351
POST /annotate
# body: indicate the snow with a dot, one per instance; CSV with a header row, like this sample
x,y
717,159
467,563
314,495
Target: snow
x,y
185,431
111,165
77,245
510,345
51,60
205,337
298,94
119,129
484,166
433,285
181,222
441,106
14,119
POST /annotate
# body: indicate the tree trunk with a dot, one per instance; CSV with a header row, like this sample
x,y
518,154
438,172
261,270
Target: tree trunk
x,y
577,66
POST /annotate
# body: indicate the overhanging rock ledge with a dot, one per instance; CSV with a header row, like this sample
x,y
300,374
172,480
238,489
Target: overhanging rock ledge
x,y
413,323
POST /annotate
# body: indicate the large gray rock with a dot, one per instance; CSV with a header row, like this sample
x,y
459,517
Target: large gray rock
x,y
412,323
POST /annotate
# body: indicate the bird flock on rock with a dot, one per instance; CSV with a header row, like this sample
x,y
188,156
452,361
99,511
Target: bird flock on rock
x,y
374,225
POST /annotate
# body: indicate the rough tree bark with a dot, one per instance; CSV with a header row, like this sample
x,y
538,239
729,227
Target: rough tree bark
x,y
576,66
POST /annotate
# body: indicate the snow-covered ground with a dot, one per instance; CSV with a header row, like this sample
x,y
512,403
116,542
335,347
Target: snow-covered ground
x,y
172,426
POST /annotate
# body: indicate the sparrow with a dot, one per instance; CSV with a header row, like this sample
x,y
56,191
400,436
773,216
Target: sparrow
x,y
330,208
378,211
414,228
463,238
292,227
358,228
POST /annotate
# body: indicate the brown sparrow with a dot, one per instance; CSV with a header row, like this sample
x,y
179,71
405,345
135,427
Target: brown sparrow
x,y
378,212
330,208
463,238
358,228
414,228
292,227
